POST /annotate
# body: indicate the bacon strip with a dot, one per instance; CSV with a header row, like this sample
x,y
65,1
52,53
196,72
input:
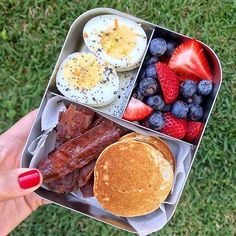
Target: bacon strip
x,y
86,172
74,121
87,190
66,184
79,151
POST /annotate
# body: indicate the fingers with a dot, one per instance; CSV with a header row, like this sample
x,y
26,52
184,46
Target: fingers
x,y
19,182
21,129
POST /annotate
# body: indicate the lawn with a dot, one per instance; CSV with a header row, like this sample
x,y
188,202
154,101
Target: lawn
x,y
31,37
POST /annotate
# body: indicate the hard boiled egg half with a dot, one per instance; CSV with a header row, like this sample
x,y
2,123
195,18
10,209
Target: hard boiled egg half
x,y
116,40
84,78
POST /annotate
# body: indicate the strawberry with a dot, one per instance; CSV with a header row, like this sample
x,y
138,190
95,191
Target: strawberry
x,y
194,130
137,110
164,59
169,82
189,59
174,127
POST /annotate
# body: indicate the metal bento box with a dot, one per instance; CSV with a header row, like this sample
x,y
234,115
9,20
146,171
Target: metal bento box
x,y
74,43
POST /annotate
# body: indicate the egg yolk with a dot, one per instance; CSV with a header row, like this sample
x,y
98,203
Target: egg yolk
x,y
118,41
83,71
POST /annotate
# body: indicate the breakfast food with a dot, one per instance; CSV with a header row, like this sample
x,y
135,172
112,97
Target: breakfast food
x,y
70,166
84,78
117,40
132,178
137,110
75,121
189,59
171,89
156,142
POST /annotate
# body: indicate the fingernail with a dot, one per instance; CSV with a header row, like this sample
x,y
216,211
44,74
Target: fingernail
x,y
29,179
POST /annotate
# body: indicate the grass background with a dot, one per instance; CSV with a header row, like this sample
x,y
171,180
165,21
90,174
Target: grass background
x,y
31,37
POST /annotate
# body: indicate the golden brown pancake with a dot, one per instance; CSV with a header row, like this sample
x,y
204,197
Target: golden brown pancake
x,y
132,178
155,142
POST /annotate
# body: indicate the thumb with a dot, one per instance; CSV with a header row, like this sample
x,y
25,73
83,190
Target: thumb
x,y
19,182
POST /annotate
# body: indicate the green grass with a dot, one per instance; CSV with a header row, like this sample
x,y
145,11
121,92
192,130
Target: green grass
x,y
31,37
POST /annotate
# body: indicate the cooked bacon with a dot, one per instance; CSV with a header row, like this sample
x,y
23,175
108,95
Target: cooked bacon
x,y
87,189
79,151
86,172
74,121
66,184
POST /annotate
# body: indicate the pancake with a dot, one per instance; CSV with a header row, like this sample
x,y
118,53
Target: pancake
x,y
155,142
132,178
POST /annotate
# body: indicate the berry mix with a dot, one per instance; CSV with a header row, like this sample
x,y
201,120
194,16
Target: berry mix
x,y
171,89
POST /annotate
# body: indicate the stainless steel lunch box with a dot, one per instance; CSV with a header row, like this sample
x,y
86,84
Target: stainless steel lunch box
x,y
74,42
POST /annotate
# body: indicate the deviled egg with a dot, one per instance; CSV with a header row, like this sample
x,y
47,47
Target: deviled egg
x,y
117,40
84,78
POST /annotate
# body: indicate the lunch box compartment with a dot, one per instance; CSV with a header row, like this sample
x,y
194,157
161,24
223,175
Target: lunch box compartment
x,y
168,35
74,42
127,79
69,200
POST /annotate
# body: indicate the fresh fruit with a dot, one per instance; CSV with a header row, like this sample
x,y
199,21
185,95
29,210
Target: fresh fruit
x,y
137,94
169,82
151,60
196,99
167,108
170,48
156,121
142,75
189,59
136,110
156,102
193,131
164,59
174,127
195,112
204,87
151,71
188,88
180,109
148,86
183,78
158,47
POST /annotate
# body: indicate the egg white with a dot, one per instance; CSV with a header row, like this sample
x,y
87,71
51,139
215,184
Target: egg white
x,y
92,37
103,93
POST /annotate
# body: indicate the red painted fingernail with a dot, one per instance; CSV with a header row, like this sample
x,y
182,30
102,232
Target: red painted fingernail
x,y
29,179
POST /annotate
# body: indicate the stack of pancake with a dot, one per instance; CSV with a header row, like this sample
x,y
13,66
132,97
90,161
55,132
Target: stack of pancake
x,y
134,176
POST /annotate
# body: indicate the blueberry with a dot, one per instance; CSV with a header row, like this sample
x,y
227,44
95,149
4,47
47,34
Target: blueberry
x,y
204,87
167,108
137,94
151,60
142,74
156,121
148,86
156,102
195,112
151,71
158,47
188,88
170,48
180,109
196,99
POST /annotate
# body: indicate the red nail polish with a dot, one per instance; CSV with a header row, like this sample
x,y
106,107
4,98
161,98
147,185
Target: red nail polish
x,y
29,179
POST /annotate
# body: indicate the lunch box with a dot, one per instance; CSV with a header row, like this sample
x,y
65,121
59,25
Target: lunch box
x,y
73,43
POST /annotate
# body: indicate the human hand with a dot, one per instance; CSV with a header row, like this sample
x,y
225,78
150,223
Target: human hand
x,y
17,200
